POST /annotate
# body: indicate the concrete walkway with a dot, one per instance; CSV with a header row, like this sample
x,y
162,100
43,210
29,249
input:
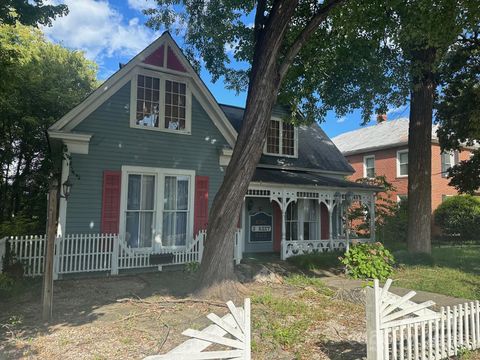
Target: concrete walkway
x,y
341,283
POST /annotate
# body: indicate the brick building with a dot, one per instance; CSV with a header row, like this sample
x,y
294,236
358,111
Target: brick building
x,y
382,149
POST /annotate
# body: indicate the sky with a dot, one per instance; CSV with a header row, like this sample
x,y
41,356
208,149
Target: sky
x,y
113,31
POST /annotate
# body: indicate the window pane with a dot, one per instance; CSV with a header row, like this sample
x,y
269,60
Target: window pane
x,y
370,172
288,147
404,158
273,137
310,213
170,192
168,237
182,195
175,105
146,227
148,192
404,169
147,96
181,230
131,231
133,198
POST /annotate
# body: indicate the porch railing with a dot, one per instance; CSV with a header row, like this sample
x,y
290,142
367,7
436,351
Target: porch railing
x,y
81,253
302,247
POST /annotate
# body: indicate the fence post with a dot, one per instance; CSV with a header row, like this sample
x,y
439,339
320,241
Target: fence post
x,y
201,239
56,257
3,250
115,251
374,334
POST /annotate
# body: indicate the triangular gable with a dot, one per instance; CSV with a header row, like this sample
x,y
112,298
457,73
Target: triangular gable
x,y
163,51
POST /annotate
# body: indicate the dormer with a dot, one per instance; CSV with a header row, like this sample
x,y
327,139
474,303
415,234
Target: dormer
x,y
282,139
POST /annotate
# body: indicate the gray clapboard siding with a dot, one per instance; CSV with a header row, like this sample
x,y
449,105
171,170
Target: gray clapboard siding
x,y
114,144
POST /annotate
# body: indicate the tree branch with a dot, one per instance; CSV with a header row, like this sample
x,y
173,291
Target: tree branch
x,y
309,29
259,20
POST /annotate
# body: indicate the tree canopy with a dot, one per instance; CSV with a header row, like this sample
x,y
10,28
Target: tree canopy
x,y
30,13
458,108
39,82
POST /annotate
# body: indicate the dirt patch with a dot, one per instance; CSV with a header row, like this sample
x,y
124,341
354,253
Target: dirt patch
x,y
130,317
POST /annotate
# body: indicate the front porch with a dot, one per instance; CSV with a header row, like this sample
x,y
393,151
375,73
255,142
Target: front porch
x,y
294,220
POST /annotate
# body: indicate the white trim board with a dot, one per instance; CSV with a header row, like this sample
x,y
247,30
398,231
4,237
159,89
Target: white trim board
x,y
120,78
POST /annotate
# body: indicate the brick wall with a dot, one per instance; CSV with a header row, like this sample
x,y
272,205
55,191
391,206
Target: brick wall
x,y
386,164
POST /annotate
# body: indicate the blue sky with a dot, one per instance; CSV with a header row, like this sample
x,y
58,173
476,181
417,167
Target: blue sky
x,y
113,31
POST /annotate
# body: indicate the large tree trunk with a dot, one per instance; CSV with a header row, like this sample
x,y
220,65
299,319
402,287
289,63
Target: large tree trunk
x,y
420,154
216,269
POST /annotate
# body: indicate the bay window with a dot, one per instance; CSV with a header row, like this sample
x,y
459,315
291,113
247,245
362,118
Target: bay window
x,y
156,207
160,102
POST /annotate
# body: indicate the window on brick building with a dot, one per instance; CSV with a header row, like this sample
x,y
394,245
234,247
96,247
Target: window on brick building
x,y
402,163
369,166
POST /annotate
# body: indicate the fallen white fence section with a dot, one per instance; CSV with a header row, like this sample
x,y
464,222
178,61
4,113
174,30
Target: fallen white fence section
x,y
399,329
82,253
231,331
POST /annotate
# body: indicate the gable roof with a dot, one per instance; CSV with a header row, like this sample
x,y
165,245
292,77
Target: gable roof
x,y
316,152
147,58
387,134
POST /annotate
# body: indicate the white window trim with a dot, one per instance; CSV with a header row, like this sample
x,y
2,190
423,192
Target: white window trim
x,y
365,158
398,163
444,174
162,76
280,149
159,174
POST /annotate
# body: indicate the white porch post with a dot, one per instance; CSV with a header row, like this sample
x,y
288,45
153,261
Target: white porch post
x,y
330,222
372,218
283,207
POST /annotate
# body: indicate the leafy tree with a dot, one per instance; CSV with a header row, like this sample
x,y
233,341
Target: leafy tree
x,y
281,28
32,13
317,56
458,109
39,82
380,53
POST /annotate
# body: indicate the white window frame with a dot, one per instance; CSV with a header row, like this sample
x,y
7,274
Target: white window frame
x,y
280,148
399,152
162,76
365,158
451,154
160,174
301,219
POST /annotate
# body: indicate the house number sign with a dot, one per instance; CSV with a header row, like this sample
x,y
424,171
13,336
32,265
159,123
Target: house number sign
x,y
260,227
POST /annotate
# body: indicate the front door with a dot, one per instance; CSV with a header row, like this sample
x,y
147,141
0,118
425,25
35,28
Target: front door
x,y
259,225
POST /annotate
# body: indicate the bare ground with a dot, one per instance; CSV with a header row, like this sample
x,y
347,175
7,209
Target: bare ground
x,y
130,317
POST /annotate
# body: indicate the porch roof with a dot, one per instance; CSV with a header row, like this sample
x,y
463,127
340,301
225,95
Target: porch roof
x,y
307,178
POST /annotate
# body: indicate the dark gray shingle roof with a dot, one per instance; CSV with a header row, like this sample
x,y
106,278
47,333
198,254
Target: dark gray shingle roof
x,y
315,149
278,176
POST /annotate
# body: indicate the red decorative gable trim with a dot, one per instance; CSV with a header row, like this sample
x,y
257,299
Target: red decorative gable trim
x,y
157,57
173,62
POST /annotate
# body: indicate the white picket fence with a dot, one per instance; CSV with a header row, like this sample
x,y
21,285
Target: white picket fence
x,y
400,329
302,247
83,253
235,325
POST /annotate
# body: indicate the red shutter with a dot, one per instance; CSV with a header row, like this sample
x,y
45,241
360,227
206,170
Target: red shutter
x,y
201,204
111,202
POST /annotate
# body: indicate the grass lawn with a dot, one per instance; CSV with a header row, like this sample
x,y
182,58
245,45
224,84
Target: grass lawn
x,y
451,270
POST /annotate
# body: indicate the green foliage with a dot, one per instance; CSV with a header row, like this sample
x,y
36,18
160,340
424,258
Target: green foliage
x,y
7,283
39,83
191,267
459,216
323,260
368,261
393,230
10,263
30,12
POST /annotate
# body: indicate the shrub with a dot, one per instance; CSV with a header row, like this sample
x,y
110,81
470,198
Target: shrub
x,y
459,216
393,231
368,261
11,265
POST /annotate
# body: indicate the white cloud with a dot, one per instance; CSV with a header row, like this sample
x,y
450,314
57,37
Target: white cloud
x,y
341,119
140,5
99,30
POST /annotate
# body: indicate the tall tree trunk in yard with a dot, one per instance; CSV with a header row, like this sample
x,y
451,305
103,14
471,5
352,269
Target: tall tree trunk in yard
x,y
420,155
216,270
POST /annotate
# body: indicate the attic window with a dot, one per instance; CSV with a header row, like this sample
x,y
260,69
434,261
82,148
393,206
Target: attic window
x,y
281,138
160,102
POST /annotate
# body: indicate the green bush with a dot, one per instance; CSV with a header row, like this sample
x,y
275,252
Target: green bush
x,y
393,231
459,216
368,261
